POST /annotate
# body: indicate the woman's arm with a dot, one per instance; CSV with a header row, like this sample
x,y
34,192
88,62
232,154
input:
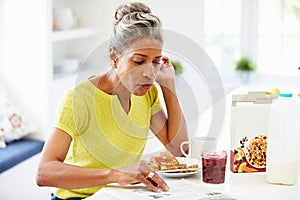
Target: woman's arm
x,y
171,130
54,173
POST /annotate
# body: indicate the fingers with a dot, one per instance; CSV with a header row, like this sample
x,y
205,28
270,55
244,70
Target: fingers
x,y
165,61
148,177
159,181
153,181
149,184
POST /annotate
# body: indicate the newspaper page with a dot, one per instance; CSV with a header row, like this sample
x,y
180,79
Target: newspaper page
x,y
178,190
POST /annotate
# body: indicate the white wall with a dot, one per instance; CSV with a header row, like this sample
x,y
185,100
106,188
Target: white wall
x,y
176,15
180,16
26,63
1,36
24,72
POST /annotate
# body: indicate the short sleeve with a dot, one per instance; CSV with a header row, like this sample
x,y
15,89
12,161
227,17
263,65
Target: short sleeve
x,y
64,116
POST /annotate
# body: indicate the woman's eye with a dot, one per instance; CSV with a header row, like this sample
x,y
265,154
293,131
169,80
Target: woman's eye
x,y
138,62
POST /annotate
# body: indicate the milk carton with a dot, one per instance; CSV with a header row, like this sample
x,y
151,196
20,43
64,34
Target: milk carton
x,y
284,141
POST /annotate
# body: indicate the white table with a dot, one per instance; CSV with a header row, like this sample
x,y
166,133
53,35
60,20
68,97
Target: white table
x,y
243,186
240,186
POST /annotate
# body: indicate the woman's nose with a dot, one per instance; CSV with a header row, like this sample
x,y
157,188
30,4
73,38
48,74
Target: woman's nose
x,y
149,71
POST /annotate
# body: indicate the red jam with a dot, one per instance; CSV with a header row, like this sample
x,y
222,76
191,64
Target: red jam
x,y
213,166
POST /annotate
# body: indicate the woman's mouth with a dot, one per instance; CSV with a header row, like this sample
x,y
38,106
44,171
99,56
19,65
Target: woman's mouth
x,y
146,86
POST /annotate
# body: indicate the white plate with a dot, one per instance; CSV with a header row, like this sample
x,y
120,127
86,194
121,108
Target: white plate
x,y
179,174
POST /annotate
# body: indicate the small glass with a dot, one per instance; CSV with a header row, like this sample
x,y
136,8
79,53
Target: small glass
x,y
214,166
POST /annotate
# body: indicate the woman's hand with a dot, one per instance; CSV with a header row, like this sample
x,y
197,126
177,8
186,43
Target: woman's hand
x,y
141,173
166,74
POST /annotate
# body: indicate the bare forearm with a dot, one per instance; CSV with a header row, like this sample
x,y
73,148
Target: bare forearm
x,y
177,131
61,175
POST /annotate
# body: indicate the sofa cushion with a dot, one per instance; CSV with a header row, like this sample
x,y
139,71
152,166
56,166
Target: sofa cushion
x,y
14,125
19,151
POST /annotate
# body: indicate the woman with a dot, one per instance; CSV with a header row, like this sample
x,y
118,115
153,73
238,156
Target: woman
x,y
102,125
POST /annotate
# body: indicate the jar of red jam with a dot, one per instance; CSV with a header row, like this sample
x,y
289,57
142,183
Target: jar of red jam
x,y
213,166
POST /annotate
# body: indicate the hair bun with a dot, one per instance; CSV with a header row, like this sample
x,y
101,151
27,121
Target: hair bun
x,y
125,9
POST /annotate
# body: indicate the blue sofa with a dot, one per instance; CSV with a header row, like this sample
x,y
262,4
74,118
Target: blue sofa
x,y
19,151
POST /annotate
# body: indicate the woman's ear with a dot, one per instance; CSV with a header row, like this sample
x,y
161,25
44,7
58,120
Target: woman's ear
x,y
113,56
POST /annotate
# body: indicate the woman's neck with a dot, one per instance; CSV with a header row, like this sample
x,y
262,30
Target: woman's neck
x,y
111,84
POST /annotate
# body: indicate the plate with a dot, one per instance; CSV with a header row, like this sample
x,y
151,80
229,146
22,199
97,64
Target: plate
x,y
179,173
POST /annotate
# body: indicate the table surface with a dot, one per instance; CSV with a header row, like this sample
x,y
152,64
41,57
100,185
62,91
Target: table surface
x,y
243,186
246,186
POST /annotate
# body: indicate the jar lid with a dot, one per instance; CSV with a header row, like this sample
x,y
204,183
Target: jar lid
x,y
286,95
214,154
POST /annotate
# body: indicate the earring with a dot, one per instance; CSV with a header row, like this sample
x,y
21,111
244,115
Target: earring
x,y
114,63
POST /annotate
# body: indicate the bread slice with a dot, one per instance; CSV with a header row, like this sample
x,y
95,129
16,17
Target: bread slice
x,y
164,161
167,161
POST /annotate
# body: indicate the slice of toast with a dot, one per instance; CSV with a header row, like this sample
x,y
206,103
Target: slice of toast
x,y
172,167
165,160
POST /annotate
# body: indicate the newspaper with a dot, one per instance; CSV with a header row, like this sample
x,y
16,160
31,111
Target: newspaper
x,y
178,190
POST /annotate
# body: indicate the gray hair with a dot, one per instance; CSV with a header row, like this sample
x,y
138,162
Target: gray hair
x,y
134,21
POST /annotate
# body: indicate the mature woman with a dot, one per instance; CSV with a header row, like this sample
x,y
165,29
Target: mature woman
x,y
102,124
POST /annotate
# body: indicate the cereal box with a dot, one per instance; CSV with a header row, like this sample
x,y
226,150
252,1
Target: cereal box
x,y
248,131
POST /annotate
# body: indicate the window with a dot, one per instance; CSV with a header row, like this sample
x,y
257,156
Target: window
x,y
279,36
268,31
222,27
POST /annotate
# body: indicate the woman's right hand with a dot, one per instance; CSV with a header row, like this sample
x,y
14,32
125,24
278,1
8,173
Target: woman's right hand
x,y
141,173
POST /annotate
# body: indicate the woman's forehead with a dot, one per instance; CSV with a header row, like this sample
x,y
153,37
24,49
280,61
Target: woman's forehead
x,y
144,45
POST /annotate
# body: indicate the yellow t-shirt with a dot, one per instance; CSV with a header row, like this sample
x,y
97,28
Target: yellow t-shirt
x,y
103,134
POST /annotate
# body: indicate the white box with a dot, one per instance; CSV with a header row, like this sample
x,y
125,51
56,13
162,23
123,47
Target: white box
x,y
248,131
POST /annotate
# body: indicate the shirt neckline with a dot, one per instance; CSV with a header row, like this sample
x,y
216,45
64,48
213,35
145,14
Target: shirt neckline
x,y
115,98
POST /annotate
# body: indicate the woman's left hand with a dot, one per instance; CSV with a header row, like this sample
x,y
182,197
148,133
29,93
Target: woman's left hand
x,y
166,74
141,173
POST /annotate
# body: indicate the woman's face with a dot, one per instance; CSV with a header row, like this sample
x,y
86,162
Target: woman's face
x,y
138,65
